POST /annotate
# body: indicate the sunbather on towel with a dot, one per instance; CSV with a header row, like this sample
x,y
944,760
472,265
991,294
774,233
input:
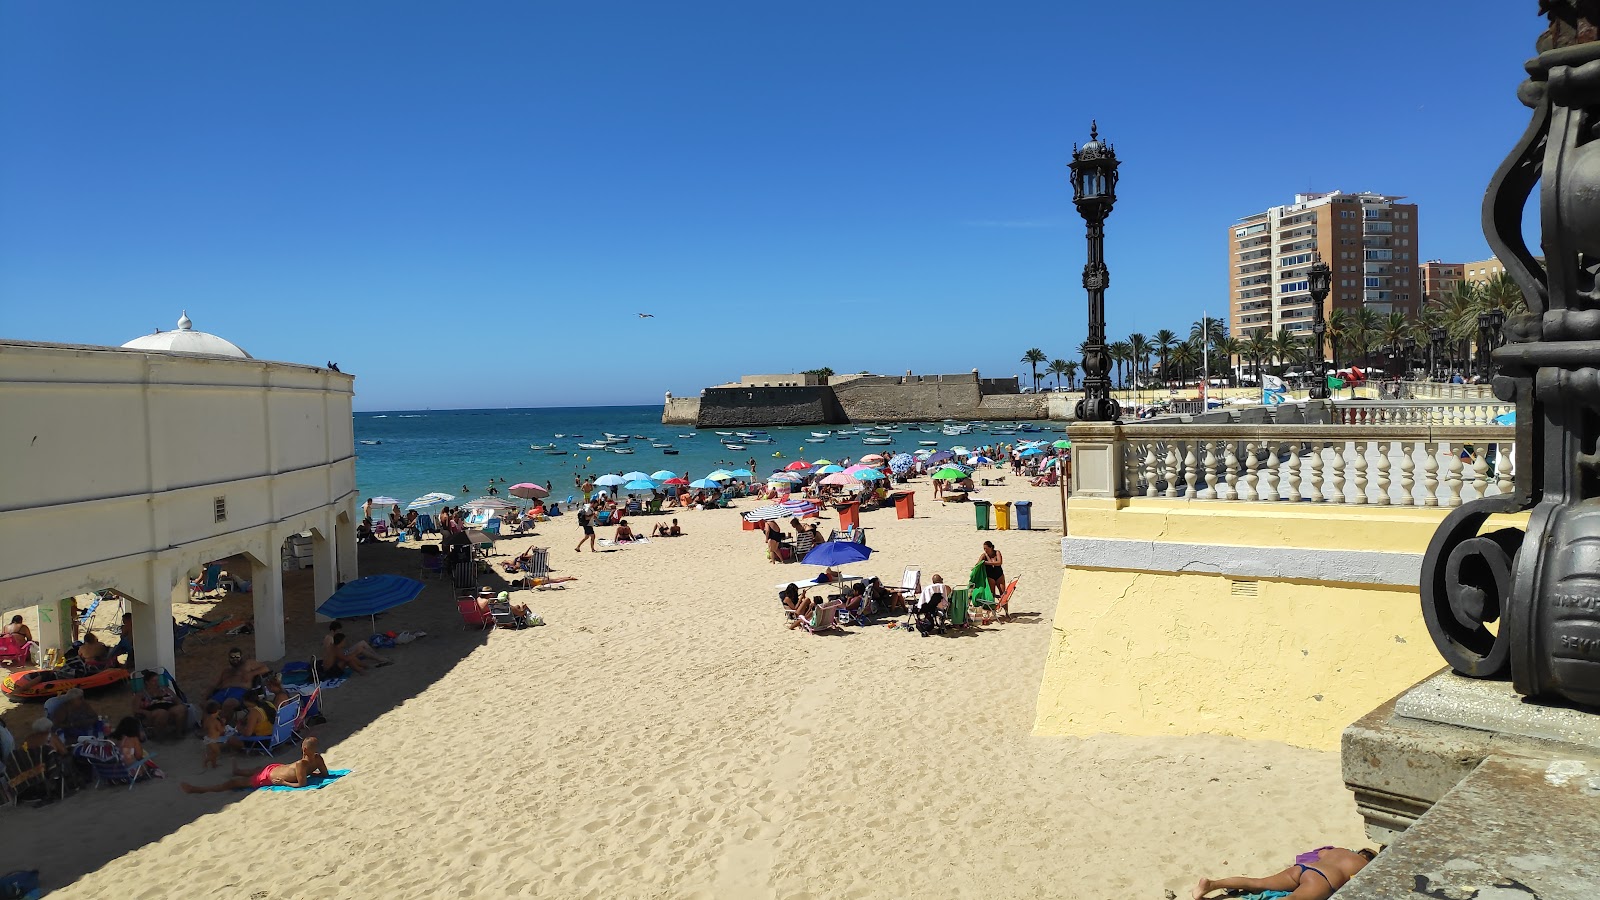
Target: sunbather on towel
x,y
296,774
361,651
1315,875
624,533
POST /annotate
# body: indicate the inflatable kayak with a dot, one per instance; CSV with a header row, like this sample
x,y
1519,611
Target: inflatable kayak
x,y
42,684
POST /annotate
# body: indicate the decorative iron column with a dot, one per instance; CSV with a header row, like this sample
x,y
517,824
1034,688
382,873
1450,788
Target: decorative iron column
x,y
1321,278
1539,588
1094,192
1436,338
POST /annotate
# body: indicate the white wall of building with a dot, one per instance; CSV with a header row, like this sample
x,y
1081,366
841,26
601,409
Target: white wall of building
x,y
114,461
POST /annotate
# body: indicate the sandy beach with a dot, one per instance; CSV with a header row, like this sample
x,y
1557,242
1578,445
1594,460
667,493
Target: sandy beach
x,y
666,736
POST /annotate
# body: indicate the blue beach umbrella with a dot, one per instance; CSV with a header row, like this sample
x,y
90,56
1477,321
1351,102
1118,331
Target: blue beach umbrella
x,y
663,475
610,480
640,484
637,476
1032,451
369,596
837,553
1509,418
939,457
741,473
433,499
704,484
830,469
869,475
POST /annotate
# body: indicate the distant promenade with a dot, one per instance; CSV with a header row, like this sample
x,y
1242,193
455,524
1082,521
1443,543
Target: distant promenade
x,y
800,399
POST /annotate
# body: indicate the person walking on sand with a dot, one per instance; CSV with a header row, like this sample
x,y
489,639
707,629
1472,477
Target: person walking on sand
x,y
296,774
586,522
1315,875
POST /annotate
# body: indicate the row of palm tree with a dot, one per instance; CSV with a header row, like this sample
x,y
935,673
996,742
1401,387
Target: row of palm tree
x,y
1353,336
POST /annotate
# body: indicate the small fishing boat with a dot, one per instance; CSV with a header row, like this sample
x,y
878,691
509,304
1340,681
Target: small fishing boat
x,y
670,452
725,433
686,435
370,443
816,440
877,441
821,434
661,446
734,446
759,441
541,446
592,446
620,449
929,443
640,437
560,435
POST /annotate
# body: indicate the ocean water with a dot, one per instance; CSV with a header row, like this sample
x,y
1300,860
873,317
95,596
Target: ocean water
x,y
448,450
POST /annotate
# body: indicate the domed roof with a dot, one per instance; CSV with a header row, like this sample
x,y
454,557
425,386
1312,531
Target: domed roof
x,y
187,340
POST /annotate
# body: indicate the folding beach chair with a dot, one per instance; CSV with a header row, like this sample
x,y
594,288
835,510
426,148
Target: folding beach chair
x,y
87,615
432,564
206,584
284,721
472,615
165,679
910,590
425,524
17,650
105,758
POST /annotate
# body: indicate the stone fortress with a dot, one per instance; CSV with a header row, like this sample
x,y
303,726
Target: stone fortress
x,y
804,399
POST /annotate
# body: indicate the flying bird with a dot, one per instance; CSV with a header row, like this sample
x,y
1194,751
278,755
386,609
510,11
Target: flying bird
x,y
646,316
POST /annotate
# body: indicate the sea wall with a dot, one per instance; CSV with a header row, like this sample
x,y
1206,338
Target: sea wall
x,y
680,411
744,406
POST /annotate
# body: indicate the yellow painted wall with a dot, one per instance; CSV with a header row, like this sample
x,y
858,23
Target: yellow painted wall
x,y
1148,653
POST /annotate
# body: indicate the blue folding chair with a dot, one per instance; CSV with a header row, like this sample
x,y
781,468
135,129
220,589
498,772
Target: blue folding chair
x,y
283,726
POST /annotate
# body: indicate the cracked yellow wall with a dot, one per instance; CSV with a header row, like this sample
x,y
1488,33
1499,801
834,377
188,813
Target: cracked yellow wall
x,y
1148,653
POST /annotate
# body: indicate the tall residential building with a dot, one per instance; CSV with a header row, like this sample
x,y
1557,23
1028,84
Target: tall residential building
x,y
1484,269
1368,240
1439,278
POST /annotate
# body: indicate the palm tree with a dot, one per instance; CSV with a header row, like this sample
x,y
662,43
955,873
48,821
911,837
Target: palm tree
x,y
1185,356
1393,331
1071,371
1228,348
1033,358
1501,292
1121,352
1458,315
1288,347
1259,347
1141,353
1208,330
1165,340
1058,368
1339,325
1364,333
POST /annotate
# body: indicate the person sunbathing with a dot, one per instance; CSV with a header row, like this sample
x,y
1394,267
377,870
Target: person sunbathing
x,y
1315,875
338,661
296,774
822,611
93,652
624,533
501,603
361,651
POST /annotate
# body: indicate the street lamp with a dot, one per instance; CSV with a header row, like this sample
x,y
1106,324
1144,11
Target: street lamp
x,y
1497,320
1436,337
1486,329
1094,192
1409,345
1321,278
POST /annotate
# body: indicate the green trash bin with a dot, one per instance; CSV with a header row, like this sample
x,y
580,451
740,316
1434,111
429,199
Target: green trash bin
x,y
981,507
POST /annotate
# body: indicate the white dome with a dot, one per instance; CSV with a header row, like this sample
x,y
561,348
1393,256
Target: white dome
x,y
187,340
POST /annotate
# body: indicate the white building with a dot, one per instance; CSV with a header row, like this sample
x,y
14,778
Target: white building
x,y
129,468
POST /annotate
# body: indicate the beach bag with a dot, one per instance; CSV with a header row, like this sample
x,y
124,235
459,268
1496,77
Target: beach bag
x,y
381,641
534,619
20,884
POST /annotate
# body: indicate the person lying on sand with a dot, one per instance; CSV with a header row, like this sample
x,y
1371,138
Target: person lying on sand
x,y
1315,875
296,774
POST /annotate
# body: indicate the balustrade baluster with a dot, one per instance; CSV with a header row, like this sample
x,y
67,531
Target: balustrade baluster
x,y
1452,480
1228,487
1208,463
1480,470
1247,484
1381,475
1311,472
1190,468
1430,473
1269,472
1170,471
1408,478
1505,467
1291,472
1358,473
1150,478
1333,480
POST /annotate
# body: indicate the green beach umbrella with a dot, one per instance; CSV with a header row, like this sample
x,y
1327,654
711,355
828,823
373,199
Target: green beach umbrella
x,y
950,474
1062,445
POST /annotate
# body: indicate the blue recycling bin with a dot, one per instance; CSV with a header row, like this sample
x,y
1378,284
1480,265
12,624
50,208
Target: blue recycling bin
x,y
1024,519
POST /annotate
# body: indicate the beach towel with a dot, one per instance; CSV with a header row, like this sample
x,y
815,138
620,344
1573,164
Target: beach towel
x,y
319,784
624,543
1264,895
305,690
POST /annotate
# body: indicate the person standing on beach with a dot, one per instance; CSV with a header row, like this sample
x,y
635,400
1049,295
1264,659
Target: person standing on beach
x,y
993,568
586,522
587,488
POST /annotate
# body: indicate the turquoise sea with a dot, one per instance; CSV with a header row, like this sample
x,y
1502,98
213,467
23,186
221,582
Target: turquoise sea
x,y
419,451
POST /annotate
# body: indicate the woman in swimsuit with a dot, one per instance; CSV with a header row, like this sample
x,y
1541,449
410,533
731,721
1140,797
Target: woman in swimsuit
x,y
159,708
993,568
1315,875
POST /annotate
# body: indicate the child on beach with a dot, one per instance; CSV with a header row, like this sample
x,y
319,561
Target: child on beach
x,y
217,733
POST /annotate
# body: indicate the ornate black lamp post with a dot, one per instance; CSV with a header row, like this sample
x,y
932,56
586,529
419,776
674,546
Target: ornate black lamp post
x,y
1094,192
1321,278
1491,324
1409,348
1539,589
1437,338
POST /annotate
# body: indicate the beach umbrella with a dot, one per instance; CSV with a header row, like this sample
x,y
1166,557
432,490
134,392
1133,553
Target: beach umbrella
x,y
949,474
767,512
489,503
528,491
940,456
609,480
637,476
640,484
797,465
784,477
837,553
869,475
902,463
858,467
385,501
824,462
741,473
1062,444
665,475
720,475
1032,451
959,451
839,478
976,460
427,500
703,484
872,457
369,596
830,469
679,482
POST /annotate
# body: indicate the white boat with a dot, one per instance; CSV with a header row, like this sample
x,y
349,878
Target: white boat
x,y
1002,431
686,435
620,449
734,446
816,440
541,446
929,443
371,443
661,446
592,446
759,441
560,435
640,437
821,434
725,433
878,441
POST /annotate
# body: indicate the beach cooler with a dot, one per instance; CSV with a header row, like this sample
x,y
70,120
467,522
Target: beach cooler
x,y
1024,515
981,508
849,515
905,505
1002,515
748,525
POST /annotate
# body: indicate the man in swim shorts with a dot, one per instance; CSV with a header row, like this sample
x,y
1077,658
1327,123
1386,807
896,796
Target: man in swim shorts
x,y
235,681
296,774
1315,875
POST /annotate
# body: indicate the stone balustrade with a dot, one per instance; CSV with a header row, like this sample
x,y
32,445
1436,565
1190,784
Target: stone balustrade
x,y
1378,465
1454,413
1433,390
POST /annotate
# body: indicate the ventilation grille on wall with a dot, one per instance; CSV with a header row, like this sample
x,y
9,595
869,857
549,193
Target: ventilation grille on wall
x,y
1243,588
219,507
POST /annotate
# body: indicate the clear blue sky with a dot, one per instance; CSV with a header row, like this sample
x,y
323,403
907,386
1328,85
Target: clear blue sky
x,y
859,185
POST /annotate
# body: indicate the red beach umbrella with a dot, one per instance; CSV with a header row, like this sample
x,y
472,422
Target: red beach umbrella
x,y
797,465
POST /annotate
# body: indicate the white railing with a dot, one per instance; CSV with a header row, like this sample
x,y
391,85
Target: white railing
x,y
1382,465
1433,390
1419,412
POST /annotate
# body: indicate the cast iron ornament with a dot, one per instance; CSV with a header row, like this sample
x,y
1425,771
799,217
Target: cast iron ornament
x,y
1094,192
1541,588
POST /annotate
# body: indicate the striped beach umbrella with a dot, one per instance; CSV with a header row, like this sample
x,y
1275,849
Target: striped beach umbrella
x,y
767,512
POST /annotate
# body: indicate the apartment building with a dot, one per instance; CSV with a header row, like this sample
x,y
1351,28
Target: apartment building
x,y
1484,269
1368,240
1439,278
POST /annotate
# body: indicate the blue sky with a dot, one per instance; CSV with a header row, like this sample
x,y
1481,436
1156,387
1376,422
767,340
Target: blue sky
x,y
417,190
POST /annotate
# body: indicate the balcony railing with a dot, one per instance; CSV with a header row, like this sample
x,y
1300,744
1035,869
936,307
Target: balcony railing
x,y
1411,412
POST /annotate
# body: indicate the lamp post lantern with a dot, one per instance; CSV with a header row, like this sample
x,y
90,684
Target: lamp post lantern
x,y
1094,192
1321,278
1436,339
1485,343
1409,346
